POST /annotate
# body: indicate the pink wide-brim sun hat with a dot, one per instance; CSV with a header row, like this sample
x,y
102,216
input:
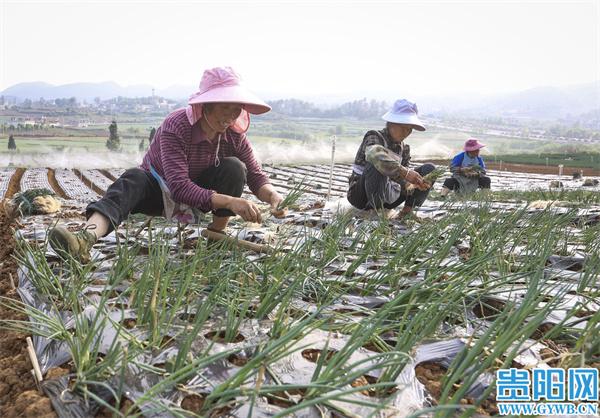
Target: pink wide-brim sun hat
x,y
223,85
473,145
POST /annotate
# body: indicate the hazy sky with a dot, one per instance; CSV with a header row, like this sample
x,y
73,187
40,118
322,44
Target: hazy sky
x,y
418,47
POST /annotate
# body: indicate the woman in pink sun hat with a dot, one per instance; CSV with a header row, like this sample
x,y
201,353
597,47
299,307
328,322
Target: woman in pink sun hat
x,y
199,161
468,170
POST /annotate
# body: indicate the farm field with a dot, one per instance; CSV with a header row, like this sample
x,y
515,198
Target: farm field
x,y
48,145
580,159
349,314
310,140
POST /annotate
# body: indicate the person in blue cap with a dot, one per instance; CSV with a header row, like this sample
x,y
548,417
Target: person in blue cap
x,y
381,172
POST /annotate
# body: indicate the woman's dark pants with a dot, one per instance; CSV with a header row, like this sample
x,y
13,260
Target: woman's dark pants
x,y
375,191
453,184
137,191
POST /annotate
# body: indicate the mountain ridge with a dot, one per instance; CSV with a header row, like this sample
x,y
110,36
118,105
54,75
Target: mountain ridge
x,y
537,102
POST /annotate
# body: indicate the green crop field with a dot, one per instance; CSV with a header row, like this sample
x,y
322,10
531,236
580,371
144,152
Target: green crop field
x,y
581,159
337,320
63,144
310,134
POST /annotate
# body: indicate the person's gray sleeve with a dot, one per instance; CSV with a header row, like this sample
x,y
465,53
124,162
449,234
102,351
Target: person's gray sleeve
x,y
386,162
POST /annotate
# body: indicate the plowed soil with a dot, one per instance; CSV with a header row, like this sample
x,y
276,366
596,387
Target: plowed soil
x,y
19,396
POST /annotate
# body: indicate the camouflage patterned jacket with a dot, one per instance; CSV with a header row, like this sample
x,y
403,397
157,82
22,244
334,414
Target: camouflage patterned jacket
x,y
390,159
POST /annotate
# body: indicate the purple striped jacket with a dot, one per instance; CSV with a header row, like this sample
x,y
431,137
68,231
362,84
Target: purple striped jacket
x,y
180,152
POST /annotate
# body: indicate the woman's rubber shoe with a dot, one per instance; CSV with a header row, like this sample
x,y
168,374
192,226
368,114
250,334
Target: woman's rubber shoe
x,y
75,244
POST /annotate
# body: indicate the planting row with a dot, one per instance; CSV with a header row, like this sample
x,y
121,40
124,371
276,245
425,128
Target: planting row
x,y
338,320
86,184
5,176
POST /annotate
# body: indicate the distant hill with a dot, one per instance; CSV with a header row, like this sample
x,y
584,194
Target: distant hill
x,y
550,101
82,91
538,102
177,92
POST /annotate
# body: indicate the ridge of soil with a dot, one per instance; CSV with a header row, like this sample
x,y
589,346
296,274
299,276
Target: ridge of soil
x,y
107,173
54,183
19,396
14,185
88,182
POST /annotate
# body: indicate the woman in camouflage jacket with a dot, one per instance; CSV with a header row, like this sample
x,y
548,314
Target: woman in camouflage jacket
x,y
381,170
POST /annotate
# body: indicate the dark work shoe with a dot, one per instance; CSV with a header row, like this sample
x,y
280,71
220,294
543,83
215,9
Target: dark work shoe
x,y
76,244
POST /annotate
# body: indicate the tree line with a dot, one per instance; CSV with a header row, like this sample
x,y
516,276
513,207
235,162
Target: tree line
x,y
360,109
574,131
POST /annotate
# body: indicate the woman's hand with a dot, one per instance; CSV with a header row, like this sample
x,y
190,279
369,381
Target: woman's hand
x,y
246,209
268,194
415,178
275,200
